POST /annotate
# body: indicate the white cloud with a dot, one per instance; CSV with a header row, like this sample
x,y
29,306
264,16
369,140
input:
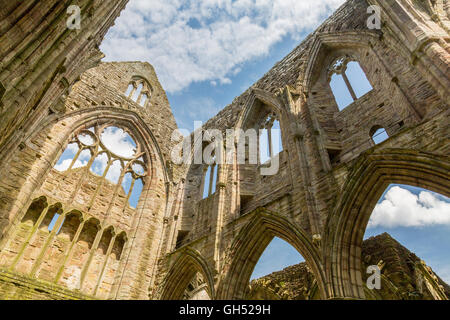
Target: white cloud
x,y
99,164
86,139
116,140
114,172
73,148
119,142
402,208
64,165
192,41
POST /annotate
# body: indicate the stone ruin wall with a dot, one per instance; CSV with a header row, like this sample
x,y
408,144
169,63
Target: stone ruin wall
x,y
41,59
391,105
404,277
406,101
98,224
154,251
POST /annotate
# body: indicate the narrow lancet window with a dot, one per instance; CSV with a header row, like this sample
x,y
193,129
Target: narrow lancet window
x,y
139,91
270,143
348,81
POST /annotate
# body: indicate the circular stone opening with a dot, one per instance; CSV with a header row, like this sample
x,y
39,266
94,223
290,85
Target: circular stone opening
x,y
86,139
138,169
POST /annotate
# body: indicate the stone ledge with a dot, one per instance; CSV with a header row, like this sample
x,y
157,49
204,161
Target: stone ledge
x,y
54,291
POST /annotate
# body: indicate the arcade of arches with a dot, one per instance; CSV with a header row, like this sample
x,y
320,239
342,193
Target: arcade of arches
x,y
92,206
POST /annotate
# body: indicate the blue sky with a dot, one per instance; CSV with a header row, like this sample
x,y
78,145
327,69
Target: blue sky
x,y
422,226
208,52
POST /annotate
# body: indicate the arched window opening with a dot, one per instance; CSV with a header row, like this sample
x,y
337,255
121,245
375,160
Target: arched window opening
x,y
13,250
62,247
348,81
264,148
100,164
340,91
143,99
114,172
129,90
68,255
282,274
115,155
83,159
270,143
106,240
358,79
210,180
139,91
78,152
66,159
89,232
70,225
126,183
135,192
138,168
407,239
378,135
34,211
132,183
107,278
51,216
98,261
119,245
53,222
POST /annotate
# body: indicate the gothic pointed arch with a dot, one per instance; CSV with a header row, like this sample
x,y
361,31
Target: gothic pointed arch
x,y
368,179
103,254
187,264
258,96
251,242
119,117
323,46
262,113
139,90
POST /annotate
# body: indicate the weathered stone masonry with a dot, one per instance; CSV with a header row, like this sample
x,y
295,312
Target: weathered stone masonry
x,y
331,172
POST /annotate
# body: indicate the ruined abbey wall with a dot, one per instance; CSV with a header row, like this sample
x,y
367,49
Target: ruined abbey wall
x,y
325,151
175,244
102,239
41,58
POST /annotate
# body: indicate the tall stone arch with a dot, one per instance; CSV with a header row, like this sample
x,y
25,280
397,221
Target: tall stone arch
x,y
49,142
263,96
63,127
325,43
186,265
369,178
362,47
249,245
